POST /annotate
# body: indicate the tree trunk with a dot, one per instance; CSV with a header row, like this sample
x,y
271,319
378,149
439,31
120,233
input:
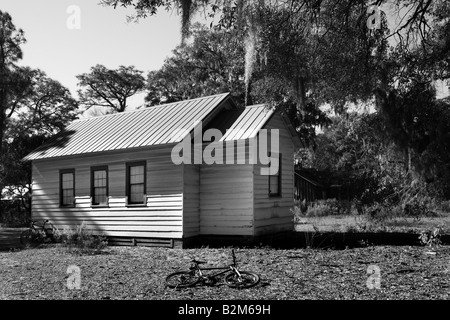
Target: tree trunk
x,y
2,117
300,91
3,104
409,159
248,97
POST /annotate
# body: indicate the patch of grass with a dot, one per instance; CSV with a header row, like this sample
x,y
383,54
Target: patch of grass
x,y
322,208
81,240
329,207
363,223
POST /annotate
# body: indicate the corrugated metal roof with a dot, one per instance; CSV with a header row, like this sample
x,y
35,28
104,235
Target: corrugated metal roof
x,y
141,128
248,124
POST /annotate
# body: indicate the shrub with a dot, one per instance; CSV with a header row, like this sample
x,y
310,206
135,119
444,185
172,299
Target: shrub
x,y
445,206
329,207
13,215
430,238
420,207
358,207
352,229
379,212
295,210
81,240
414,209
318,209
321,208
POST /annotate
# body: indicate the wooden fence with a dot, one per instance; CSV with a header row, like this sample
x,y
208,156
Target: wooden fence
x,y
305,188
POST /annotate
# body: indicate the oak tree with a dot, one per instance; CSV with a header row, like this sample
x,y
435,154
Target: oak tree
x,y
109,88
14,81
212,63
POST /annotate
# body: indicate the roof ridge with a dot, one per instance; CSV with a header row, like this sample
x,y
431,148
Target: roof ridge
x,y
150,108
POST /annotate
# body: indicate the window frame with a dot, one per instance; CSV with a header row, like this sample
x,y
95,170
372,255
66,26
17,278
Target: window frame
x,y
279,193
98,205
128,184
61,193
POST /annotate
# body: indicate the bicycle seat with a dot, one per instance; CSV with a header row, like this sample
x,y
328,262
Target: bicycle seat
x,y
199,262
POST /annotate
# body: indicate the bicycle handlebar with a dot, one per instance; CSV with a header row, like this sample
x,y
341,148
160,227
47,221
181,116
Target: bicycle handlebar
x,y
36,223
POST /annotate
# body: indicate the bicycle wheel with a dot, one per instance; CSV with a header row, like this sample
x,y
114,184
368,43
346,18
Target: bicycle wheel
x,y
182,279
245,280
29,238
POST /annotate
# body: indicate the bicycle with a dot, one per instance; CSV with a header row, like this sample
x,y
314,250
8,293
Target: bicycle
x,y
39,231
235,277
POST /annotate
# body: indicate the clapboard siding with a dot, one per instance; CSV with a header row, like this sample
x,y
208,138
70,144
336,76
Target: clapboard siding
x,y
144,214
161,217
182,200
272,214
191,200
226,199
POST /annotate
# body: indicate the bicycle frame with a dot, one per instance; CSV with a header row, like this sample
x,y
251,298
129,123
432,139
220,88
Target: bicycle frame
x,y
232,267
35,225
226,269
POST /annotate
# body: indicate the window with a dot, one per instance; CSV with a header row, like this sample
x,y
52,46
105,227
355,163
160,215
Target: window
x,y
136,178
99,186
67,188
275,181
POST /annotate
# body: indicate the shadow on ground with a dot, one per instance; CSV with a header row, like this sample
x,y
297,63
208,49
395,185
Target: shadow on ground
x,y
319,240
10,238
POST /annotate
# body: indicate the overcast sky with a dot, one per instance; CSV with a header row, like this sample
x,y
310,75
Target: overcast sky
x,y
104,37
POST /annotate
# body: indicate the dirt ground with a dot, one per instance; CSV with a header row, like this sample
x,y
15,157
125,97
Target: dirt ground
x,y
374,272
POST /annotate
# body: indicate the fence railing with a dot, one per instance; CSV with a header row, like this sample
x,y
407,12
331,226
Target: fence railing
x,y
305,188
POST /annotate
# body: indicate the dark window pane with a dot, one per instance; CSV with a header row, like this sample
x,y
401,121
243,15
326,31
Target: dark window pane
x,y
100,178
67,188
67,180
100,196
137,193
136,184
100,187
136,174
68,197
136,170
